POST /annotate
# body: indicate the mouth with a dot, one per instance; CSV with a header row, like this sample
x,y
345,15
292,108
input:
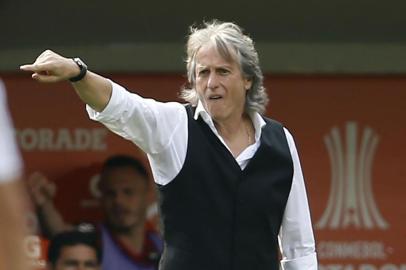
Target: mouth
x,y
215,97
121,212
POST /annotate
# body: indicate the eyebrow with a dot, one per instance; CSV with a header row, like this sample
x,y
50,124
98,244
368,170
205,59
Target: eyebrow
x,y
228,66
78,262
71,262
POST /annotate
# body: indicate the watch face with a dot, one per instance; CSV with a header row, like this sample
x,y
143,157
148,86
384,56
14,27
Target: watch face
x,y
82,67
79,62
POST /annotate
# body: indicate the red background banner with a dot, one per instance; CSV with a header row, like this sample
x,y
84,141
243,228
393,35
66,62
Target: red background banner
x,y
57,138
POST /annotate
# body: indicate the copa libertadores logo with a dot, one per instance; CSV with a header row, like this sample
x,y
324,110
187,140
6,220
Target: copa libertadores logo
x,y
351,202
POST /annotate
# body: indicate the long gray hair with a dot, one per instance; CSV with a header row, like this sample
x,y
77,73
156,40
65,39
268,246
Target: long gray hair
x,y
231,43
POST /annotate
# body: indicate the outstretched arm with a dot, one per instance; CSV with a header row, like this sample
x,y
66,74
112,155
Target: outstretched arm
x,y
51,67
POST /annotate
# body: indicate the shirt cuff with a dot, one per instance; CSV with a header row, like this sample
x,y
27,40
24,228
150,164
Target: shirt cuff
x,y
109,113
10,175
10,159
308,262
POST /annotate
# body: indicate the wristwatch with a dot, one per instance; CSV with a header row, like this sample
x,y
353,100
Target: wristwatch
x,y
83,69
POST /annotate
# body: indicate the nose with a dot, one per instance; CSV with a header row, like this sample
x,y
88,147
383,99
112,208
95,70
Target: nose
x,y
213,81
119,199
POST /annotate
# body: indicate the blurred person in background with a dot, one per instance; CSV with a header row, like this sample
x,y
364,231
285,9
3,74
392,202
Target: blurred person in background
x,y
13,199
128,240
230,181
75,250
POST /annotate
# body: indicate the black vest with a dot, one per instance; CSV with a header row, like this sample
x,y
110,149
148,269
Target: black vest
x,y
216,216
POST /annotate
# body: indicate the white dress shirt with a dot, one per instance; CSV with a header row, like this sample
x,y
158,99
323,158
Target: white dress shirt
x,y
161,131
10,162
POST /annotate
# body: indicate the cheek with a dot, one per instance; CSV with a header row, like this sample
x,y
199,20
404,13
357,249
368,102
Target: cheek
x,y
241,90
201,83
107,205
136,200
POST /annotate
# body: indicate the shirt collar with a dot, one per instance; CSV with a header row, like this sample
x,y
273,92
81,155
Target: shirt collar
x,y
201,111
256,119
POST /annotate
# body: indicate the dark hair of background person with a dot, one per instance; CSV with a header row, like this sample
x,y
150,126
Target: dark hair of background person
x,y
120,161
72,238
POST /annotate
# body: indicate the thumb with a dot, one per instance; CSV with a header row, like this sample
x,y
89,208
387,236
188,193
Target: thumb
x,y
51,190
46,78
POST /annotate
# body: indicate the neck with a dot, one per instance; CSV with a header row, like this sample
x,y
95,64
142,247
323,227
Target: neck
x,y
237,133
230,126
133,239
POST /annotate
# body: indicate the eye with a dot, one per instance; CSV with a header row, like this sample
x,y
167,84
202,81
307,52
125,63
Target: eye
x,y
90,264
129,191
223,71
203,72
109,193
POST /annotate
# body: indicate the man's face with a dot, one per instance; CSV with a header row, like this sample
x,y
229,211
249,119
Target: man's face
x,y
77,257
124,194
220,84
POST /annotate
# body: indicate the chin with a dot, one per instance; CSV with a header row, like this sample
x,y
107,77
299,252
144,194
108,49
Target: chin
x,y
218,117
216,114
215,109
119,228
122,226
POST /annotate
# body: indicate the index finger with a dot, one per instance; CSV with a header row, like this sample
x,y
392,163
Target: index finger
x,y
35,67
26,67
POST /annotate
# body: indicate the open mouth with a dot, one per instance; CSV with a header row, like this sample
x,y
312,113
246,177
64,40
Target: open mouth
x,y
215,97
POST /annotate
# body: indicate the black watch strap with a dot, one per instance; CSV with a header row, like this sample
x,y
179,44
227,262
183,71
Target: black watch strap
x,y
83,69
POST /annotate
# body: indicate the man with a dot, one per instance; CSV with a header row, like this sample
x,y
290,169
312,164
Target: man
x,y
230,180
127,239
74,250
12,195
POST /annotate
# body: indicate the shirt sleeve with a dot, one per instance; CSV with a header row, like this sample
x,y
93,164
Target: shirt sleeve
x,y
10,161
159,129
296,238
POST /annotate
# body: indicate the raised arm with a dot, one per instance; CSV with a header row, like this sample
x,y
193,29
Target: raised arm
x,y
51,67
42,192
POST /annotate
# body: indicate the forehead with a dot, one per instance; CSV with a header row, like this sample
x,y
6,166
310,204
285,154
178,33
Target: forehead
x,y
211,54
121,176
79,252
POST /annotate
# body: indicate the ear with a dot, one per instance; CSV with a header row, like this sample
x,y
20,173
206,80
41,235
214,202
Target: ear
x,y
247,84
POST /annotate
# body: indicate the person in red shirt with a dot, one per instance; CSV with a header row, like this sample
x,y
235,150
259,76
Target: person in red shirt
x,y
127,238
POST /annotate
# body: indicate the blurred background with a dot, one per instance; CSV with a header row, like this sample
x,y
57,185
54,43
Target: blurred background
x,y
335,72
